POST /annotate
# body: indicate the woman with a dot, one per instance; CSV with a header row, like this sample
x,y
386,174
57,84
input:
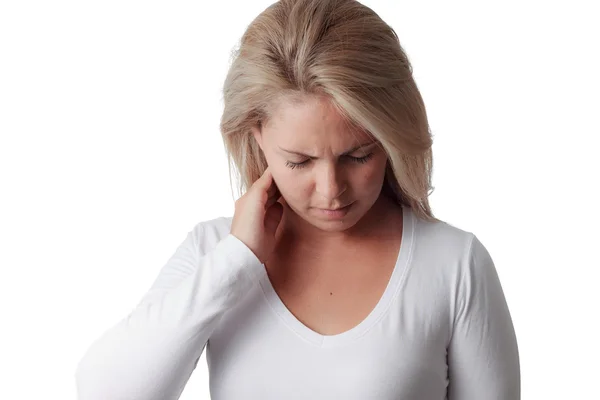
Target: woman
x,y
332,280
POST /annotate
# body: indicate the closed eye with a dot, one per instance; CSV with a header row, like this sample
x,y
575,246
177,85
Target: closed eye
x,y
360,160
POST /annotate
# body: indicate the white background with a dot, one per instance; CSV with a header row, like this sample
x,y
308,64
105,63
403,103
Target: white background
x,y
110,152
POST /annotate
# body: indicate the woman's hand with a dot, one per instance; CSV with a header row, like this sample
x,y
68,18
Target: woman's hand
x,y
257,216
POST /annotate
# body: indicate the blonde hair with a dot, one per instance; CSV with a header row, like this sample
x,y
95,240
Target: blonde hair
x,y
341,49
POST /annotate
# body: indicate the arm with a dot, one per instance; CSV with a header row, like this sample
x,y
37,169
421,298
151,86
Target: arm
x,y
483,358
151,353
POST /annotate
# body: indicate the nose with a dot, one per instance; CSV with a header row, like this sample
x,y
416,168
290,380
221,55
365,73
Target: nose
x,y
329,182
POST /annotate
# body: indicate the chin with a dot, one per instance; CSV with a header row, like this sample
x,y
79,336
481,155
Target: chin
x,y
332,226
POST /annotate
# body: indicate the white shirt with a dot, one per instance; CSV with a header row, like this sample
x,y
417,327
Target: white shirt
x,y
441,330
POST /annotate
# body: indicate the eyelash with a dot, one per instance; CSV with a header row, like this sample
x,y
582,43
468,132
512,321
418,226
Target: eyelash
x,y
360,160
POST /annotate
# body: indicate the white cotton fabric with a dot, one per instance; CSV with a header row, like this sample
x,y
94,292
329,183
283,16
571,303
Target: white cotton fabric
x,y
441,330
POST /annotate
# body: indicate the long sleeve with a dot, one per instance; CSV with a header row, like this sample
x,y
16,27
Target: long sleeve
x,y
151,353
483,357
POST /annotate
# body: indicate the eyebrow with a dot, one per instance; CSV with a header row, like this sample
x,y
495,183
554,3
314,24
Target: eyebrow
x,y
352,150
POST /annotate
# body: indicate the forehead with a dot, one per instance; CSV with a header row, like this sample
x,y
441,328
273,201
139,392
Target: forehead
x,y
311,123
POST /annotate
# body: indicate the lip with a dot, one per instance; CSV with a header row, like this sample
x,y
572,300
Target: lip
x,y
335,209
336,213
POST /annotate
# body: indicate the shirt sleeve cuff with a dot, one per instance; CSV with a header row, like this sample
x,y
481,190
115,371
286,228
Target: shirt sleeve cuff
x,y
241,256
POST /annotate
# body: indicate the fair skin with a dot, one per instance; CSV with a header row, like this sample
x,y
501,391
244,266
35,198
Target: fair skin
x,y
319,162
330,272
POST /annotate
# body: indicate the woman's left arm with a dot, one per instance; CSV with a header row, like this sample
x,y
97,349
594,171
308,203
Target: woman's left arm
x,y
483,358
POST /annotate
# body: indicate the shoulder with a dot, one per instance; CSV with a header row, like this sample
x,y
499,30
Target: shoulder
x,y
208,233
445,239
453,252
443,249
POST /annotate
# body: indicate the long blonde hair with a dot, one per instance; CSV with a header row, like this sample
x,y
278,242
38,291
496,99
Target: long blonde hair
x,y
341,49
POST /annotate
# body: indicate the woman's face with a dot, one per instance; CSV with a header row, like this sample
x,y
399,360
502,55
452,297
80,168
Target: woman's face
x,y
319,163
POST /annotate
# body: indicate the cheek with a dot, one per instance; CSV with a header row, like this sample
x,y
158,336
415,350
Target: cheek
x,y
293,188
370,178
280,172
291,185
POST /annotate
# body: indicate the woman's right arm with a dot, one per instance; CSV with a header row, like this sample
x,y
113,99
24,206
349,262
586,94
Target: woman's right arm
x,y
151,353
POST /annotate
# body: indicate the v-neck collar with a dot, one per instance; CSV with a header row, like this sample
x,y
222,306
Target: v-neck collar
x,y
320,340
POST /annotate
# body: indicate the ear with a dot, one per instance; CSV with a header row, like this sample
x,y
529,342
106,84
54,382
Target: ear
x,y
257,133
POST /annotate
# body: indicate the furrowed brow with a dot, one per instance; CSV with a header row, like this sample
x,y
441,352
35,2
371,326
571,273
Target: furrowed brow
x,y
352,150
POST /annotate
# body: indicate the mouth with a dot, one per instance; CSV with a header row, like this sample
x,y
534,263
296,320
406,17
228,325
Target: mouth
x,y
336,213
336,209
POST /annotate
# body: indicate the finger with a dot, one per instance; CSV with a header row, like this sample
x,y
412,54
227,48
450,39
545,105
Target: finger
x,y
272,199
269,203
273,218
265,180
273,190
